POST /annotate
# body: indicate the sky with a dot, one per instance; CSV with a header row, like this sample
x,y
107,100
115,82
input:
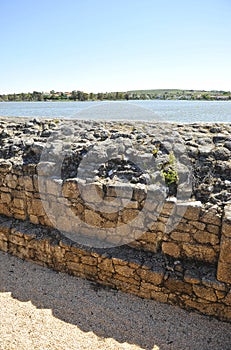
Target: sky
x,y
102,45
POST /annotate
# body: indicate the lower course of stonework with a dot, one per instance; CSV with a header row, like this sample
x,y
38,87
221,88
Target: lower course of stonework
x,y
191,285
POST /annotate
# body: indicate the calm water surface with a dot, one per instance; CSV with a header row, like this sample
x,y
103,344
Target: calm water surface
x,y
157,111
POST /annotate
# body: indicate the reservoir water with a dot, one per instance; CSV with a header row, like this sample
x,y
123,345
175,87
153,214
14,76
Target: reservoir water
x,y
145,110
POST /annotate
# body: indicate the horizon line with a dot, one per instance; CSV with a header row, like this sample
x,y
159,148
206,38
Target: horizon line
x,y
115,91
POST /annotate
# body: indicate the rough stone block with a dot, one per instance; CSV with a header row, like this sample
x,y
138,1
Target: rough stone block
x,y
5,210
19,203
69,256
171,249
224,272
4,246
92,218
5,198
213,229
106,265
89,260
205,293
28,183
129,215
70,188
199,252
225,250
54,186
35,207
211,216
124,270
174,284
153,277
181,236
206,237
189,210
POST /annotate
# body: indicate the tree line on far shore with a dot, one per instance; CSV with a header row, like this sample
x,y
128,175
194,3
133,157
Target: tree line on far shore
x,y
77,95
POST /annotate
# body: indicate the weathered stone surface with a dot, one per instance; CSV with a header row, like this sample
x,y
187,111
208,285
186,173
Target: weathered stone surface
x,y
92,218
124,271
171,249
28,183
106,265
181,236
5,166
211,216
224,272
5,210
225,253
174,284
89,260
199,252
18,203
191,277
205,293
35,207
129,215
190,210
154,277
199,225
69,256
69,189
53,186
222,153
6,198
213,229
206,237
227,299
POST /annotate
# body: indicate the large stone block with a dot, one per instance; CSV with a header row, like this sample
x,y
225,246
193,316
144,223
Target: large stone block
x,y
70,188
224,272
211,216
153,277
206,237
177,285
199,252
92,218
225,252
205,293
6,198
189,210
125,271
181,236
171,249
28,183
35,207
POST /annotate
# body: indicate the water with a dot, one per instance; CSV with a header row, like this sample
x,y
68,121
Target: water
x,y
155,110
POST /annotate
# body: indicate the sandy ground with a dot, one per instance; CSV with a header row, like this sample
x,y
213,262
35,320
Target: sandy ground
x,y
42,309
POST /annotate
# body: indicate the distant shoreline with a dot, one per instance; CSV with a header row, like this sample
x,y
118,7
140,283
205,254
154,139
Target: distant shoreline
x,y
77,95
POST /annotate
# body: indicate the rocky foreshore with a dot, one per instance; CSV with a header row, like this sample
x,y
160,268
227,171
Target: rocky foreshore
x,y
195,158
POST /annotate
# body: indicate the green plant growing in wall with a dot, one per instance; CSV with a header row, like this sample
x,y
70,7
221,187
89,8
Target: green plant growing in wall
x,y
170,176
169,171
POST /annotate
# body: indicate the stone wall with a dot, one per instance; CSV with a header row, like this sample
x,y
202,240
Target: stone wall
x,y
188,284
179,229
131,236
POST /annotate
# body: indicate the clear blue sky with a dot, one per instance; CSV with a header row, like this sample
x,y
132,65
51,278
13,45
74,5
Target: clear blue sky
x,y
102,45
